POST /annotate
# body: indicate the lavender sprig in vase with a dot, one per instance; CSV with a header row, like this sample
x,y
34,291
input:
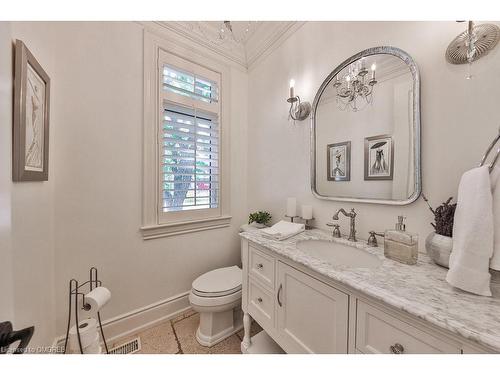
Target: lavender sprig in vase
x,y
440,242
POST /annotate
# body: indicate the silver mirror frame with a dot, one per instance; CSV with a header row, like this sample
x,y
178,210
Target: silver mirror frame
x,y
416,125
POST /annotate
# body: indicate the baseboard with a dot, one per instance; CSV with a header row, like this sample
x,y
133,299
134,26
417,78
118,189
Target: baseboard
x,y
142,318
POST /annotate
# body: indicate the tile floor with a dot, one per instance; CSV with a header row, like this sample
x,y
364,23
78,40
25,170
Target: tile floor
x,y
177,336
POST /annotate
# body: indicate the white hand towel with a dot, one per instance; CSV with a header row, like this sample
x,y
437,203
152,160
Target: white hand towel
x,y
283,230
472,234
495,191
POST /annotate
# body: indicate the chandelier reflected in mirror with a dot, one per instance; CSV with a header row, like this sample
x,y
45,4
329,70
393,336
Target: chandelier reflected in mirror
x,y
354,87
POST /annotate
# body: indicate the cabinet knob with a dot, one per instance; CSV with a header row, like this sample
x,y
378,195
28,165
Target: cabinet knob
x,y
259,266
259,300
397,349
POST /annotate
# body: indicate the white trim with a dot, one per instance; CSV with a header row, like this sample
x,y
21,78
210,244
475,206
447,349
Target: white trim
x,y
266,38
129,323
183,227
185,30
184,42
268,41
152,224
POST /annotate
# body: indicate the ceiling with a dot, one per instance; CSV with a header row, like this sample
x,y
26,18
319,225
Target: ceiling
x,y
249,46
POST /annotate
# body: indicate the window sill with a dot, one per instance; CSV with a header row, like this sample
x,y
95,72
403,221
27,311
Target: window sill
x,y
173,229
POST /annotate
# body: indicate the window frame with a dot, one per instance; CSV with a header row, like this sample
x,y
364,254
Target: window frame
x,y
158,52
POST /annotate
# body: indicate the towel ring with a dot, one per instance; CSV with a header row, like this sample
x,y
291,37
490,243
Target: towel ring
x,y
485,156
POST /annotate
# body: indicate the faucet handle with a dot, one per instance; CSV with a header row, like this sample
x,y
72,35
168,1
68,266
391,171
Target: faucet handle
x,y
336,230
372,240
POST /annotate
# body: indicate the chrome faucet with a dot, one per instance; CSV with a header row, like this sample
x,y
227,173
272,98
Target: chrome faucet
x,y
352,216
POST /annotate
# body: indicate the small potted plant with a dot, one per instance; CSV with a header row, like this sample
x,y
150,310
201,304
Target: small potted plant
x,y
259,219
440,242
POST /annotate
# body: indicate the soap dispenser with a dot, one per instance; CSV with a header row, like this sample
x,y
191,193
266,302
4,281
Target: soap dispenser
x,y
401,245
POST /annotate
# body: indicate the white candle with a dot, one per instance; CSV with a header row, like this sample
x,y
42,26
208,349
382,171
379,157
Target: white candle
x,y
291,207
307,212
292,88
373,70
348,79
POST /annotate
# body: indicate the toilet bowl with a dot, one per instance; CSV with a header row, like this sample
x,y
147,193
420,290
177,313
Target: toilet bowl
x,y
216,295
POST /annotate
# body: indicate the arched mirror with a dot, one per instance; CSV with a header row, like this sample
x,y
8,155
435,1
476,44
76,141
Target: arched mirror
x,y
365,131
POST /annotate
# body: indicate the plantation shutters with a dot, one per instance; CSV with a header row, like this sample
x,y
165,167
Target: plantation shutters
x,y
188,138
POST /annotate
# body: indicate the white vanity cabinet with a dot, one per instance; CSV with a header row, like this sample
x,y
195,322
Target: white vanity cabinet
x,y
303,312
312,317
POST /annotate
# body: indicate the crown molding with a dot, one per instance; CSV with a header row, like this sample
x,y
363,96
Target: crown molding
x,y
187,30
266,37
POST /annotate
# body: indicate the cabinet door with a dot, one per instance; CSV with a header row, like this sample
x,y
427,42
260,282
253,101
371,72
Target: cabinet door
x,y
312,316
382,333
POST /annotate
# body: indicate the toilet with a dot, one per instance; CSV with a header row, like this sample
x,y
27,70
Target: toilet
x,y
216,295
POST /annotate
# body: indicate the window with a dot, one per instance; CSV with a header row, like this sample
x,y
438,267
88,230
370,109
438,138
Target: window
x,y
188,84
190,165
185,191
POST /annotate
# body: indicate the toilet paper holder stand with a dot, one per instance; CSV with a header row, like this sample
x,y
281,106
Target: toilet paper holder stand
x,y
75,290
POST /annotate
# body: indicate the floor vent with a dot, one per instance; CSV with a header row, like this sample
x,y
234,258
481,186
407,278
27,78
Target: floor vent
x,y
129,347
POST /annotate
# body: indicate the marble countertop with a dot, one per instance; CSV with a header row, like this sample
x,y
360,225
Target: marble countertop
x,y
420,290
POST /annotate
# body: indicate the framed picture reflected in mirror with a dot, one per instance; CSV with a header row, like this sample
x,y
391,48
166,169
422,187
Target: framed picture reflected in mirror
x,y
379,158
339,161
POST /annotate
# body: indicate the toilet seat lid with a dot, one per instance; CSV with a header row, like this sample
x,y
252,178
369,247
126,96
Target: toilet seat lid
x,y
219,280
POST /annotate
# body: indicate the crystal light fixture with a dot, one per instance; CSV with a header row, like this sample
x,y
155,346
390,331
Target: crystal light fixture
x,y
354,88
226,33
472,44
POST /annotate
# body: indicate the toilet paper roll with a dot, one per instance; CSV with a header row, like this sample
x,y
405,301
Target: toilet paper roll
x,y
94,348
97,298
88,334
75,348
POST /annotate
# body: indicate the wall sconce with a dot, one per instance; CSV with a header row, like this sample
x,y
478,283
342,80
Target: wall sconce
x,y
298,110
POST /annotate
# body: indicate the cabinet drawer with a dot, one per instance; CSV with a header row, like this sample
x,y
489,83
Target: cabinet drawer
x,y
261,305
261,266
379,332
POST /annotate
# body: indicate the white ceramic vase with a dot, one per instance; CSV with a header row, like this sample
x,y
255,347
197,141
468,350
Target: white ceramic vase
x,y
439,248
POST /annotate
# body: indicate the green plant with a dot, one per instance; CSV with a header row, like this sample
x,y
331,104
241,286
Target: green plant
x,y
261,217
443,217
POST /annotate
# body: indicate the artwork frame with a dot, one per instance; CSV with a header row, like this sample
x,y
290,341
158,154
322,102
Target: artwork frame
x,y
374,147
336,150
30,144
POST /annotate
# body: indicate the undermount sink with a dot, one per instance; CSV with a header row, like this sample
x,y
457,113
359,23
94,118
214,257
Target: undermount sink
x,y
338,254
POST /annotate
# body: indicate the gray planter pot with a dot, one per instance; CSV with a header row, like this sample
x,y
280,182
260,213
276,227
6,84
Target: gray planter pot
x,y
257,225
439,248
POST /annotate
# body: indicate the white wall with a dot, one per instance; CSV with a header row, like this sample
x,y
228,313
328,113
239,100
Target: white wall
x,y
6,280
26,218
89,212
99,169
459,117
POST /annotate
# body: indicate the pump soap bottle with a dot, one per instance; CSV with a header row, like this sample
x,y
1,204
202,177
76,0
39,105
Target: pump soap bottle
x,y
401,245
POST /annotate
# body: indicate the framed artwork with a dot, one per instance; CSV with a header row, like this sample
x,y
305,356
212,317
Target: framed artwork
x,y
339,161
379,158
30,147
